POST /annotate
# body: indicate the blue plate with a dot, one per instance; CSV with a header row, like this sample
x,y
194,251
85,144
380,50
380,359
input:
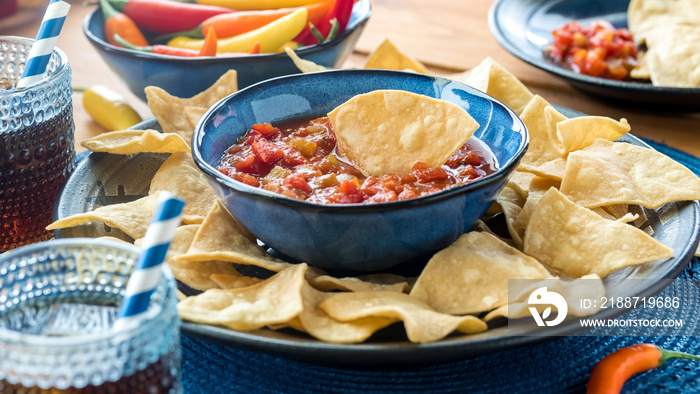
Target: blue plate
x,y
102,179
524,28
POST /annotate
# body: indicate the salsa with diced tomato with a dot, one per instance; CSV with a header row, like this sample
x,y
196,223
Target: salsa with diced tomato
x,y
299,160
599,50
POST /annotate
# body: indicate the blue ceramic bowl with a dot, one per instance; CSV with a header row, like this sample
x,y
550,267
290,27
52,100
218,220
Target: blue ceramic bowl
x,y
355,237
185,77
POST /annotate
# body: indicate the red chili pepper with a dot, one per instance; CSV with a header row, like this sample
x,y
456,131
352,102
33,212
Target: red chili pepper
x,y
341,11
117,23
256,49
611,373
166,16
210,44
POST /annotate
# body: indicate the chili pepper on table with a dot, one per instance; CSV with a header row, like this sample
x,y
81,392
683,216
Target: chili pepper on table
x,y
271,36
119,23
341,11
108,108
254,4
166,16
235,23
610,373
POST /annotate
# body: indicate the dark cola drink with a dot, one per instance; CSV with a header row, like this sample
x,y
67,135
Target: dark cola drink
x,y
37,152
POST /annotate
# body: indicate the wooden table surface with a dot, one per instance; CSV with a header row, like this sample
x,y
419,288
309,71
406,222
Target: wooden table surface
x,y
447,35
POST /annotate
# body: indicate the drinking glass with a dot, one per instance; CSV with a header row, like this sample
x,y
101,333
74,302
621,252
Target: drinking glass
x,y
143,357
37,152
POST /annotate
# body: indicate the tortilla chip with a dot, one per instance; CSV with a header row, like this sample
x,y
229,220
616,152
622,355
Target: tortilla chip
x,y
170,110
221,237
179,175
233,281
275,300
628,218
577,242
471,276
538,187
608,173
541,118
132,217
673,57
194,114
554,169
129,142
305,66
314,321
388,57
388,131
422,323
371,282
578,133
512,204
492,79
641,71
196,275
519,181
645,16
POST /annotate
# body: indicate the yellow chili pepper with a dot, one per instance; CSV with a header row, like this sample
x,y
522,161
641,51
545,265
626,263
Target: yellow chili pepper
x,y
241,5
109,109
271,36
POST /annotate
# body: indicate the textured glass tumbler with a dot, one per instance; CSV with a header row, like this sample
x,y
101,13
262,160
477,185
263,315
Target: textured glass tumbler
x,y
37,136
141,358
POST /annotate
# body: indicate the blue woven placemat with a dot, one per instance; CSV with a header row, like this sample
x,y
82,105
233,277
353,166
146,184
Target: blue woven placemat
x,y
557,365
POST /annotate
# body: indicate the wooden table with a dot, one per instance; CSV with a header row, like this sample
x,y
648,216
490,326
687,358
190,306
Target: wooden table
x,y
447,35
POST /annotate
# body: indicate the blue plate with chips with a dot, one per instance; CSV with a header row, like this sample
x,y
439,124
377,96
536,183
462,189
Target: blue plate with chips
x,y
524,28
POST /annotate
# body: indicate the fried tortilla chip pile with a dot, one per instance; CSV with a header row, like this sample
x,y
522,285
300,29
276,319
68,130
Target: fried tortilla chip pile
x,y
670,29
566,209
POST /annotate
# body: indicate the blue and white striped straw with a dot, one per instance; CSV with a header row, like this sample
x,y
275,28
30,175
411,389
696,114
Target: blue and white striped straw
x,y
147,272
39,55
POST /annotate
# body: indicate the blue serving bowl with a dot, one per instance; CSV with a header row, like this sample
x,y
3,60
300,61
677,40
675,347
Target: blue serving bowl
x,y
185,77
354,237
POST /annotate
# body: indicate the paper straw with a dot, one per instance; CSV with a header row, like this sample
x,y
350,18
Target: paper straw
x,y
147,272
39,55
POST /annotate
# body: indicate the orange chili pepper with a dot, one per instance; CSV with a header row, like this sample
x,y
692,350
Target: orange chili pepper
x,y
117,23
210,44
611,373
256,49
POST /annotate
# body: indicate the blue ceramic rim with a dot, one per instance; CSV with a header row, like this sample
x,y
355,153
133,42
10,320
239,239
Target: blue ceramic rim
x,y
145,320
503,171
542,64
62,67
353,24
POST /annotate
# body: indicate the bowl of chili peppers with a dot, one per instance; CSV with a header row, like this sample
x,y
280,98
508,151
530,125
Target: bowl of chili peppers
x,y
184,47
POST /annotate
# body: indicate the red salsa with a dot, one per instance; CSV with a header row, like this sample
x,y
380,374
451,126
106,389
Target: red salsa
x,y
299,160
598,50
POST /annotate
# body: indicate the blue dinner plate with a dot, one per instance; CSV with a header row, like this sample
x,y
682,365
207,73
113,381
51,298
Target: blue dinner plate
x,y
102,179
524,28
